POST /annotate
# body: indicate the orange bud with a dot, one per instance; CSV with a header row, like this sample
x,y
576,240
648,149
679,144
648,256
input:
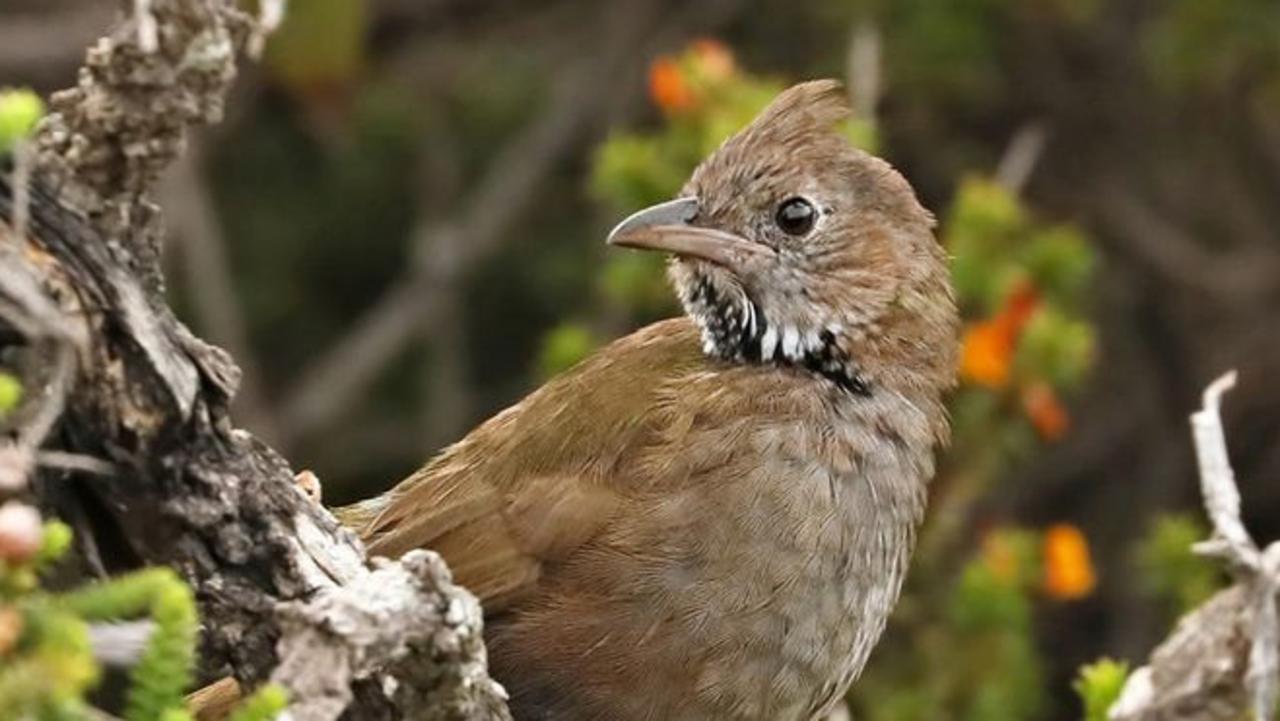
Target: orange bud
x,y
715,59
1019,306
986,351
1046,412
10,628
986,354
667,87
1068,569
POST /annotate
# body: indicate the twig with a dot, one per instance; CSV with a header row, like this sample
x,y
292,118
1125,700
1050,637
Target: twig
x,y
1230,541
22,159
121,643
865,69
1020,158
270,15
55,342
75,462
145,22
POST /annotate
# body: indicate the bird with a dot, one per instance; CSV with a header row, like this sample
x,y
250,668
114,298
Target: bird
x,y
710,519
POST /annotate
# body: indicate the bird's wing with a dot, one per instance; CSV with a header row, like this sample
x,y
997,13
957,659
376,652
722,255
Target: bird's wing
x,y
536,481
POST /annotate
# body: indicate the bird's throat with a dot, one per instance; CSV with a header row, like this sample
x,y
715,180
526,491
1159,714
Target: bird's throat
x,y
736,328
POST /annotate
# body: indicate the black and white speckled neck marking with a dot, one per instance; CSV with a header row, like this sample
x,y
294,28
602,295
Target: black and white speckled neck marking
x,y
737,329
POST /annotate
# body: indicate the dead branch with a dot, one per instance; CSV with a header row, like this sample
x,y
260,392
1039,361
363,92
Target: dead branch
x,y
1222,658
131,441
1020,158
864,66
406,611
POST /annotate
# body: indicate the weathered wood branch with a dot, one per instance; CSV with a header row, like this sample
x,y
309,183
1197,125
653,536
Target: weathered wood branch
x,y
167,478
1221,660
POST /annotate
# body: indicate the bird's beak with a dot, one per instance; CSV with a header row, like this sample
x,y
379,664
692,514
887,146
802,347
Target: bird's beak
x,y
665,227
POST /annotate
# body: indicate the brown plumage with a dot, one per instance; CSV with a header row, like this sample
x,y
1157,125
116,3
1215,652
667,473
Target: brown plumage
x,y
711,518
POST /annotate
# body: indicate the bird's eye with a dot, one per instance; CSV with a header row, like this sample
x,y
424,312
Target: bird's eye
x,y
796,216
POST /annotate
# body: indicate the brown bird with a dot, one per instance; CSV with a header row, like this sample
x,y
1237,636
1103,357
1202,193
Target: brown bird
x,y
710,519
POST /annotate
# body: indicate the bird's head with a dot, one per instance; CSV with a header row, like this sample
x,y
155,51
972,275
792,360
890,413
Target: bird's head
x,y
790,246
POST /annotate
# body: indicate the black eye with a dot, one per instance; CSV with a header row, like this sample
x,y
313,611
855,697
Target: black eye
x,y
796,216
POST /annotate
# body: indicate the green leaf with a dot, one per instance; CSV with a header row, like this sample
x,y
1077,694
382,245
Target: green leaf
x,y
1169,570
20,110
1099,685
10,393
563,347
1060,260
1055,347
266,703
54,543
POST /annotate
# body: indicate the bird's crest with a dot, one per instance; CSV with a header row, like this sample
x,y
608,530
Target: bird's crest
x,y
797,115
817,105
799,125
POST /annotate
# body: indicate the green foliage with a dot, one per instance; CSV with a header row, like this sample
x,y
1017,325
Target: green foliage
x,y
984,601
997,243
1055,346
636,281
319,49
47,664
1203,45
1099,685
1021,284
1170,570
564,346
20,110
265,703
10,393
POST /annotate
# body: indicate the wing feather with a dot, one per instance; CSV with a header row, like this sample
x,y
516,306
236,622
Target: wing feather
x,y
534,483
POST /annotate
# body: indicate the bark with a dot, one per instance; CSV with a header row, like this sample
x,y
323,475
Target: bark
x,y
114,379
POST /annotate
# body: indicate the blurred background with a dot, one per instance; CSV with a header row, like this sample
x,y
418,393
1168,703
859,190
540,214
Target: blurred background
x,y
398,231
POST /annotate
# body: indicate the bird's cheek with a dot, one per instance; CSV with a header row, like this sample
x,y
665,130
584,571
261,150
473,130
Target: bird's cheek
x,y
762,272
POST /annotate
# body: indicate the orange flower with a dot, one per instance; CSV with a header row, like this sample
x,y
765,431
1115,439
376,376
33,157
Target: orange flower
x,y
1046,412
986,354
1068,570
715,59
667,86
1019,306
986,351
